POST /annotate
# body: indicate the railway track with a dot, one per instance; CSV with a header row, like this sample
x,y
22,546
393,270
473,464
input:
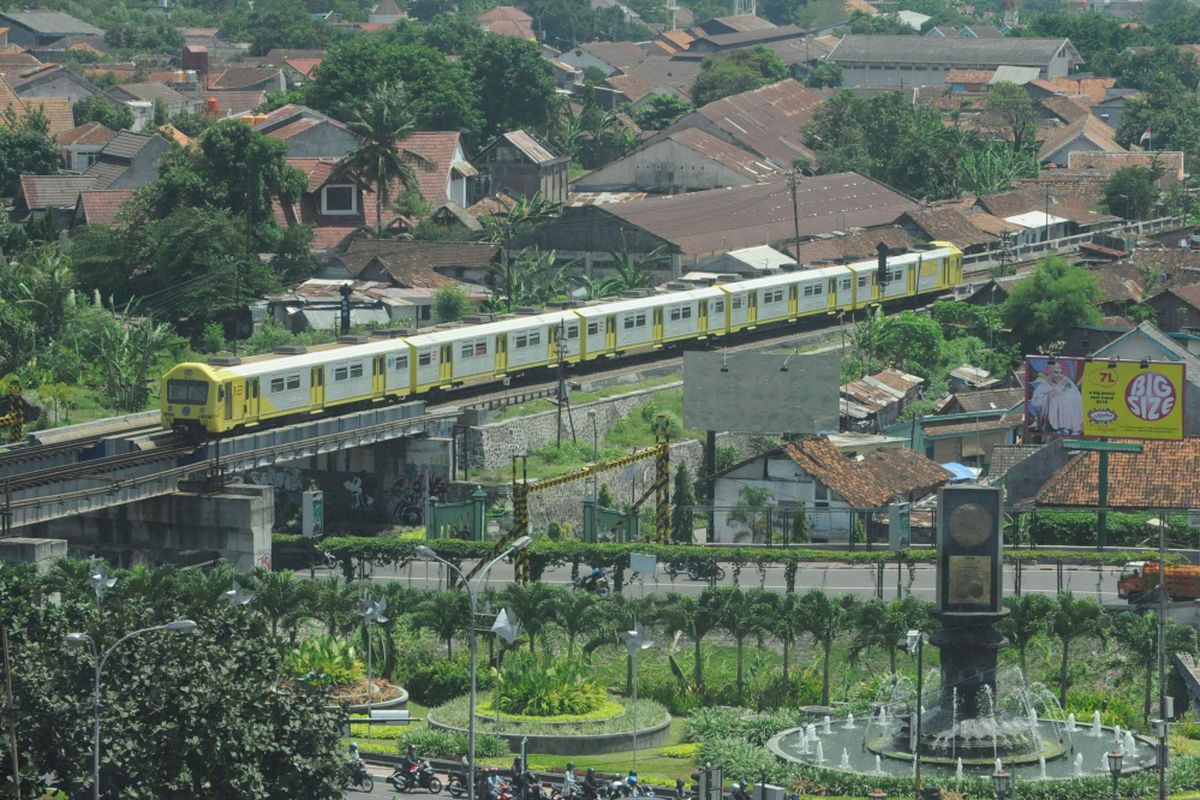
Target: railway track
x,y
40,452
92,468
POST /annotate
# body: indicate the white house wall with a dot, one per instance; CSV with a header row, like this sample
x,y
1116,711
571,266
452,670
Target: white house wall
x,y
665,166
787,482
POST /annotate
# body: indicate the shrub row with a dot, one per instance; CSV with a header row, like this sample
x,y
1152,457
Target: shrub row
x,y
446,744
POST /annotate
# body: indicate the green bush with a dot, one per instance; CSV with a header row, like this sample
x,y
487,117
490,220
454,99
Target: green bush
x,y
325,661
544,686
725,723
741,760
435,681
446,744
649,715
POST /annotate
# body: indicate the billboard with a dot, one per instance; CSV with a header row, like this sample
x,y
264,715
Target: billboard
x,y
1090,398
761,392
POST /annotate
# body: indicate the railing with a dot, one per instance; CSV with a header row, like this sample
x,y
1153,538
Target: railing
x,y
980,261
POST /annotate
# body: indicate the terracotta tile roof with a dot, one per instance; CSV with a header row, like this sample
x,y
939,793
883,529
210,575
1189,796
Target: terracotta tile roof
x,y
504,12
949,224
1163,475
512,28
100,207
415,264
991,223
873,481
10,61
657,73
741,161
152,92
1170,161
851,6
1119,283
1095,89
304,66
89,133
990,399
171,133
57,111
1086,127
53,191
1065,108
677,39
494,204
234,101
969,76
855,247
439,147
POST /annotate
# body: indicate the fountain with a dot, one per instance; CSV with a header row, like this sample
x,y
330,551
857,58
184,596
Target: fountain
x,y
967,718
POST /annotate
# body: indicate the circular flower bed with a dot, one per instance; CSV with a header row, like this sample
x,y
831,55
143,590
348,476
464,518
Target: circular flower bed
x,y
609,709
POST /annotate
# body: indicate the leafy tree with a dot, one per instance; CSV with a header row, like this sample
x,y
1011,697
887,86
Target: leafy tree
x,y
573,613
446,614
1099,37
742,614
605,496
1132,192
881,625
144,32
801,525
825,619
825,74
1029,616
682,521
440,91
1172,113
1072,619
271,24
1145,69
128,347
910,341
450,304
531,604
382,120
738,71
633,270
1137,638
283,599
514,83
1013,105
335,604
25,149
660,111
879,25
695,618
1056,296
453,34
98,108
189,124
991,167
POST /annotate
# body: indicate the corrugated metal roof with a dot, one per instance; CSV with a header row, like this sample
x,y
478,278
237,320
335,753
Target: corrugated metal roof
x,y
49,23
532,148
1019,51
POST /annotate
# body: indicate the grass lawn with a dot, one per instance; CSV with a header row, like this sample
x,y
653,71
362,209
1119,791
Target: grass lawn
x,y
543,404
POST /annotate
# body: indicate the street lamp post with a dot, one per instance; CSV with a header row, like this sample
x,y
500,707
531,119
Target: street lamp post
x,y
912,643
635,642
1115,757
427,553
373,612
1001,783
176,626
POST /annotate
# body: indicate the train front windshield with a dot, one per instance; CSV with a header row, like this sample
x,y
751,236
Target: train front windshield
x,y
183,392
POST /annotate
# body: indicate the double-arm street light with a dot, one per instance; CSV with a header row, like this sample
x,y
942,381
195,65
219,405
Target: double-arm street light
x,y
427,553
175,626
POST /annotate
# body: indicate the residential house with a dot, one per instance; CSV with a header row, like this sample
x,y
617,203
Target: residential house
x,y
1177,309
668,43
813,477
685,160
246,79
222,103
1086,134
1115,101
608,57
1083,340
1062,109
157,94
696,226
448,172
1034,214
467,263
768,121
748,262
656,75
947,224
873,402
1149,342
128,161
48,196
54,82
967,377
308,133
968,80
331,204
739,23
387,13
971,402
912,61
507,21
722,42
520,165
56,110
803,54
316,305
966,438
82,145
846,248
299,71
99,206
40,27
1161,476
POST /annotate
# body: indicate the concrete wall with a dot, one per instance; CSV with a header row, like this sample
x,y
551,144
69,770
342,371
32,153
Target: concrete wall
x,y
235,523
665,166
24,550
144,169
321,140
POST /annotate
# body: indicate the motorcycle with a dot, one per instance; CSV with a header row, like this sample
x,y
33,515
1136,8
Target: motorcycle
x,y
357,777
598,586
421,776
456,785
708,570
675,567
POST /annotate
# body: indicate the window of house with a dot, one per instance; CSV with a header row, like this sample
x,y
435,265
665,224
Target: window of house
x,y
339,199
356,370
425,359
821,495
293,381
593,328
276,385
340,373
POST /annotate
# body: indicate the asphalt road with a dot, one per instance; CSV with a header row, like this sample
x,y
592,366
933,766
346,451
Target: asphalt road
x,y
1099,583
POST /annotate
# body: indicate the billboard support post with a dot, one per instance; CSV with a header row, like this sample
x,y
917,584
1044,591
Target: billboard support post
x,y
1103,447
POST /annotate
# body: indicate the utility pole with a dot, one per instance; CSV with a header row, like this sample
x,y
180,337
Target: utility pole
x,y
793,183
560,350
1162,658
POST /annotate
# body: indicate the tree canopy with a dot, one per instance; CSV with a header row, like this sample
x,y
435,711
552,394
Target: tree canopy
x,y
25,149
1132,192
724,74
515,85
98,108
1056,296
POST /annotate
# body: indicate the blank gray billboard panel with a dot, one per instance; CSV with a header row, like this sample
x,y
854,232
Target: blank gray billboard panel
x,y
761,393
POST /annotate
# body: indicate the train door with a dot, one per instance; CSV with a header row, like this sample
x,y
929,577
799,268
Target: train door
x,y
752,309
227,394
378,377
657,335
316,390
793,303
702,317
447,365
501,353
832,293
610,331
251,413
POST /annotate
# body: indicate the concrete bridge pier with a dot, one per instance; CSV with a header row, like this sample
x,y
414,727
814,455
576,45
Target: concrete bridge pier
x,y
188,525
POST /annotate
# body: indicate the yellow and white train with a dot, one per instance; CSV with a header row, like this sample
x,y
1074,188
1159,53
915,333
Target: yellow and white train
x,y
199,399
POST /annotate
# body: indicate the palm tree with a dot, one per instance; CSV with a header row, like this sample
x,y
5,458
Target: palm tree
x,y
383,120
531,603
282,598
633,271
825,618
1137,640
741,615
574,613
1029,616
336,605
1072,619
882,625
447,614
695,618
786,624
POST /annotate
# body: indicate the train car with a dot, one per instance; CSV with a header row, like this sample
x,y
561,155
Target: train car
x,y
765,300
653,320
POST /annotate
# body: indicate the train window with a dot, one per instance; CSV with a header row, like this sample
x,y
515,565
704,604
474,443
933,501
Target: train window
x,y
636,320
864,280
340,373
356,370
535,338
895,275
628,322
573,331
593,328
845,284
681,312
425,359
293,381
189,392
276,384
401,362
773,296
735,303
718,307
521,341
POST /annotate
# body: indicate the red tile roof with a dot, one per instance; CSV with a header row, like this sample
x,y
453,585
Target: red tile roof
x,y
304,66
100,207
89,133
875,480
438,147
854,247
504,12
969,76
1164,475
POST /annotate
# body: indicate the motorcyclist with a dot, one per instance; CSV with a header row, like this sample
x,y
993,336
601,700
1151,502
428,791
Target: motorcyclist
x,y
518,777
631,784
597,575
357,766
741,792
591,785
680,792
492,785
569,786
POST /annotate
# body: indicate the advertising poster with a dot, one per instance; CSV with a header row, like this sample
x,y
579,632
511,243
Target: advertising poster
x,y
1095,399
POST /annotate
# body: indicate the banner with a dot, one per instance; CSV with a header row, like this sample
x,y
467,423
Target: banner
x,y
1100,398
